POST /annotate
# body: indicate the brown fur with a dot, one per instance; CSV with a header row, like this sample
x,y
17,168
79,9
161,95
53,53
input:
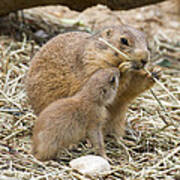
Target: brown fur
x,y
68,120
66,62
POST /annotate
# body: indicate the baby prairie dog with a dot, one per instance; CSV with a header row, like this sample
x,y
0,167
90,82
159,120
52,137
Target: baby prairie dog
x,y
69,120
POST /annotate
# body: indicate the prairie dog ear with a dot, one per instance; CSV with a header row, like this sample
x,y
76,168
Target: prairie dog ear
x,y
108,33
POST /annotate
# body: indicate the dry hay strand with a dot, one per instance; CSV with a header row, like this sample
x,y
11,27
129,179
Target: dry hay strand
x,y
150,149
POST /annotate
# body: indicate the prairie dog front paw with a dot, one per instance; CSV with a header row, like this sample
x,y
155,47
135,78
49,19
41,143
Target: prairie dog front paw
x,y
153,73
125,67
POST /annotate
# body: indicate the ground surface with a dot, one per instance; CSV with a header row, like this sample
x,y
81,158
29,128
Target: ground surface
x,y
152,144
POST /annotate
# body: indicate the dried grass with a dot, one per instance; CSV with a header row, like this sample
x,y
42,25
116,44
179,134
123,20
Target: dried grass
x,y
150,150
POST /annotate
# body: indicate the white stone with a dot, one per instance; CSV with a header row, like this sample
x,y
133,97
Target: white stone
x,y
90,165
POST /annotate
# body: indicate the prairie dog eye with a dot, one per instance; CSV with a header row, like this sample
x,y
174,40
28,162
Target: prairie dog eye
x,y
124,41
112,80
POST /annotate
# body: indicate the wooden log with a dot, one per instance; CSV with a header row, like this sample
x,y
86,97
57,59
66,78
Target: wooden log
x,y
7,6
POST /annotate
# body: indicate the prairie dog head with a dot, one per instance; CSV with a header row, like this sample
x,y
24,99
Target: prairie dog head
x,y
128,40
102,86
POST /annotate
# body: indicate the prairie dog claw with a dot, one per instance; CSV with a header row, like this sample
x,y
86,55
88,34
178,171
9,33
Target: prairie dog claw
x,y
156,72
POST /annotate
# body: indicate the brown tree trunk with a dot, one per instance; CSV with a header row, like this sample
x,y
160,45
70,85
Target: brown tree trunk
x,y
7,6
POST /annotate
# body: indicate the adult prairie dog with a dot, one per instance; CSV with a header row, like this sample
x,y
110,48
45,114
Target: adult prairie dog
x,y
69,120
63,64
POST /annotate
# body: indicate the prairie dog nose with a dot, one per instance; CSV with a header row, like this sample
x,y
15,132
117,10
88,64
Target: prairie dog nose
x,y
144,61
141,55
